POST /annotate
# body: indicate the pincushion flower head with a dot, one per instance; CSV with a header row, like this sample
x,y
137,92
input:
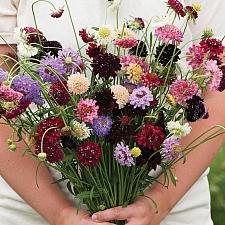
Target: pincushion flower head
x,y
214,74
57,13
86,36
152,80
141,97
126,38
3,75
87,110
123,155
26,51
120,94
136,24
171,148
102,125
9,95
212,46
177,7
89,153
80,130
105,34
183,90
134,72
177,129
169,34
78,83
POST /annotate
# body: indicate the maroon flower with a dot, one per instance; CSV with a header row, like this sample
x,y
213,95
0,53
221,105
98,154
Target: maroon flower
x,y
34,35
86,37
58,13
222,83
89,153
59,92
152,80
93,50
212,45
177,7
151,137
140,22
191,12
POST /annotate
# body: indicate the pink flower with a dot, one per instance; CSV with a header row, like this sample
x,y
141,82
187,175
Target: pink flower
x,y
183,90
195,56
126,42
9,95
215,74
87,110
169,33
58,13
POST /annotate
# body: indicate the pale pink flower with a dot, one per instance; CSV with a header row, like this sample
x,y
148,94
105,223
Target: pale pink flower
x,y
9,95
195,56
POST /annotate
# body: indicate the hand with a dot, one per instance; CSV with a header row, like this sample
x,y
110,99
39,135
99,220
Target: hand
x,y
141,212
69,216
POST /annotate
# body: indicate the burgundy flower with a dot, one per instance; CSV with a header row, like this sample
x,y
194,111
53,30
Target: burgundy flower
x,y
151,137
34,35
222,83
192,13
152,80
177,7
86,37
58,13
93,50
212,45
89,153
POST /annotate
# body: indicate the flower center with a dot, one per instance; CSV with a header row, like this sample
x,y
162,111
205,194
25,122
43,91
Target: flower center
x,y
104,32
68,60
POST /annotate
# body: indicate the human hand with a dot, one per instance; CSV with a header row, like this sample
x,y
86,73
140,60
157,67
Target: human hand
x,y
69,216
141,212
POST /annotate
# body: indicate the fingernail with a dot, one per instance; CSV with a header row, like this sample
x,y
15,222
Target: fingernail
x,y
94,217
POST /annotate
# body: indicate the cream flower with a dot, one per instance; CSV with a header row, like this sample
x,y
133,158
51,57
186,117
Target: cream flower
x,y
80,130
26,51
78,83
105,34
121,95
178,130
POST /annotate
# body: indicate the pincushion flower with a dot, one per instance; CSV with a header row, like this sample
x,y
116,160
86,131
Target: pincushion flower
x,y
183,90
26,51
80,130
136,152
134,72
78,83
102,125
3,75
222,82
87,110
57,13
141,97
120,94
171,148
85,36
177,129
89,153
214,74
136,24
52,47
9,95
105,34
169,34
123,155
177,7
212,45
152,80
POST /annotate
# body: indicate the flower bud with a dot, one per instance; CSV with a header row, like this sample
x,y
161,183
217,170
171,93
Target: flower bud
x,y
12,147
42,156
9,141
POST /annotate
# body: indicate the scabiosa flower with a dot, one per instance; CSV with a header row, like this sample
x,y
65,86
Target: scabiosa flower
x,y
56,65
94,50
21,108
59,92
30,88
152,80
166,52
105,34
80,130
177,7
85,36
123,155
33,35
151,137
102,125
212,45
71,60
192,13
136,152
196,109
52,47
139,50
178,130
134,72
195,56
183,90
9,95
3,75
106,65
89,154
87,110
136,24
222,82
120,94
78,83
58,13
169,34
141,97
171,148
26,51
214,73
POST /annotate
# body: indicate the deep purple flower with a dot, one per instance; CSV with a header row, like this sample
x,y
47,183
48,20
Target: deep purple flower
x,y
171,148
48,75
123,155
30,88
3,75
102,125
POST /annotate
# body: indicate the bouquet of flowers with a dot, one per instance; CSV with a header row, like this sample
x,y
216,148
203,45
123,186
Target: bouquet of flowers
x,y
106,117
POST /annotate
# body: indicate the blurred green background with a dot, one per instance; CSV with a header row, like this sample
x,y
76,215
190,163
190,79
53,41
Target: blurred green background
x,y
217,188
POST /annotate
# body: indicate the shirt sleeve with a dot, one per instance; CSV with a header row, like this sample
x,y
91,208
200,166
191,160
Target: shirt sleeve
x,y
211,16
8,20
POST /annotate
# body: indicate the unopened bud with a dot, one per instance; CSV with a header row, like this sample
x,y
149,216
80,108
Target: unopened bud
x,y
42,156
12,147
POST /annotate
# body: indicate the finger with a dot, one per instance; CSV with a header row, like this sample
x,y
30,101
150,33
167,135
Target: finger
x,y
117,213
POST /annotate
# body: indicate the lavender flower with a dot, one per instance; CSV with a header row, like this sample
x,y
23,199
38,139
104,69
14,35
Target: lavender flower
x,y
3,75
70,59
171,147
102,125
30,89
141,97
56,64
123,155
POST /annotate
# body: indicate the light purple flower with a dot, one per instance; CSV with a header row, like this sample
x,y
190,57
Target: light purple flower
x,y
3,75
102,125
171,147
141,97
30,88
123,155
56,64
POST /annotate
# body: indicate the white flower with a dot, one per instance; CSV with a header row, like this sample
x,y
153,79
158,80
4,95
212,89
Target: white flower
x,y
26,51
178,130
20,35
115,4
105,34
80,130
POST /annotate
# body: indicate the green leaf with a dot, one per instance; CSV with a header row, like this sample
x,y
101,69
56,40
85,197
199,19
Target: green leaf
x,y
172,177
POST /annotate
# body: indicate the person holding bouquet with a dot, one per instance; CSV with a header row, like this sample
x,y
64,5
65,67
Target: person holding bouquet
x,y
187,203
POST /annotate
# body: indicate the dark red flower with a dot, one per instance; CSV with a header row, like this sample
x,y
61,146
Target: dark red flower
x,y
58,13
89,153
86,37
191,12
151,137
59,92
141,22
177,7
34,35
152,80
212,45
93,50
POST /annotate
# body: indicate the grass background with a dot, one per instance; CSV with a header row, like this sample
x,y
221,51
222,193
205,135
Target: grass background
x,y
217,188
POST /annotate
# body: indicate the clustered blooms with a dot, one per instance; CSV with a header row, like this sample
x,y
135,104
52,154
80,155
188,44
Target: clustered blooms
x,y
177,7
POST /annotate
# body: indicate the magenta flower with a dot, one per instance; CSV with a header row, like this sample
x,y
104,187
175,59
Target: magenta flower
x,y
195,56
9,95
